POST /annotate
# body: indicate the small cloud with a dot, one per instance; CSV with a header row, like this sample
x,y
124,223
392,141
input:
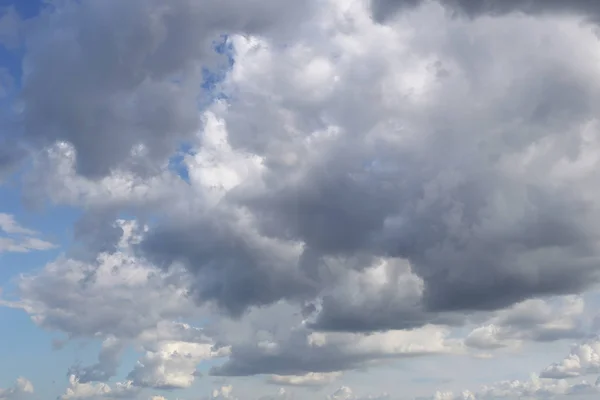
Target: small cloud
x,y
18,239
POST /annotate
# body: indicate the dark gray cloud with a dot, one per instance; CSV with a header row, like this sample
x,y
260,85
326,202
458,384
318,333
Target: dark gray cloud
x,y
233,267
121,81
383,9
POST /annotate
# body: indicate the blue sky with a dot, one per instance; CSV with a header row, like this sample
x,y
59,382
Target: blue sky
x,y
191,206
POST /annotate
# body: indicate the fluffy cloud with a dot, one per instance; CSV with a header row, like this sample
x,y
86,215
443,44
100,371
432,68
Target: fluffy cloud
x,y
223,393
304,185
584,359
345,393
21,390
403,171
97,391
354,191
534,388
171,365
132,99
133,304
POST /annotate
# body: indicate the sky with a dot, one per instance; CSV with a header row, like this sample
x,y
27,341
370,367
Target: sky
x,y
299,200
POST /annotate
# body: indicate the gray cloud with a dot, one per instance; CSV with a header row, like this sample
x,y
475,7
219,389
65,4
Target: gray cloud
x,y
383,9
129,74
289,348
234,267
331,154
109,360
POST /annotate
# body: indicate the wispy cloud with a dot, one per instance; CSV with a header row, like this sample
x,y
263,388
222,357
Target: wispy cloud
x,y
18,239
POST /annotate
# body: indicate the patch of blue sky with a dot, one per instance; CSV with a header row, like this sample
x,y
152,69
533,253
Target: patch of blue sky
x,y
30,349
53,227
213,77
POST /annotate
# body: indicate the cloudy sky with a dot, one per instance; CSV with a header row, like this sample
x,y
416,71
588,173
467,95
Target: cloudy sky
x,y
299,199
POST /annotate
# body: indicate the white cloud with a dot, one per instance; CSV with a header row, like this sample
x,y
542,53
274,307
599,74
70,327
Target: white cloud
x,y
97,391
584,359
171,365
19,239
345,393
534,388
223,393
21,390
310,379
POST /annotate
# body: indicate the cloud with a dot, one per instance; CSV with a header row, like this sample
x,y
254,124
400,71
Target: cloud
x,y
534,388
341,177
310,379
345,393
131,100
171,365
108,363
383,9
294,351
133,304
18,239
368,186
306,195
21,390
223,393
532,320
584,359
97,391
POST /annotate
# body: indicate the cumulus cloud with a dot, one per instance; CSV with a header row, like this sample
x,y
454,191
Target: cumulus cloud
x,y
21,390
171,365
370,185
584,359
554,381
97,391
404,171
448,161
133,304
223,393
345,393
534,388
130,73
